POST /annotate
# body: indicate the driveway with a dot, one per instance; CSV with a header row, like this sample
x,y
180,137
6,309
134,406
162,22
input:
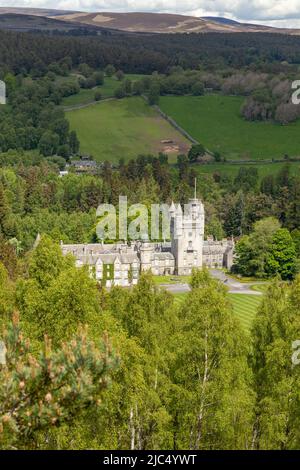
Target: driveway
x,y
234,286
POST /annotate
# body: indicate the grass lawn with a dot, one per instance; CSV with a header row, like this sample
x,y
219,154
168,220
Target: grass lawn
x,y
215,121
180,298
124,129
107,91
244,307
260,287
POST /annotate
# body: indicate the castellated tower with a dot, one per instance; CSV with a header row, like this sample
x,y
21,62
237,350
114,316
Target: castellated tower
x,y
146,252
187,235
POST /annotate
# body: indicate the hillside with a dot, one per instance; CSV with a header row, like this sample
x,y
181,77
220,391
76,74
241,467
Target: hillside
x,y
22,22
165,23
33,11
134,22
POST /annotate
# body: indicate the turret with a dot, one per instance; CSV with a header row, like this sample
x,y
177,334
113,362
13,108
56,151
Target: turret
x,y
187,235
146,250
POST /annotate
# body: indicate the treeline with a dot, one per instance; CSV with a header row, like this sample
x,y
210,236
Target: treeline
x,y
145,372
268,96
33,121
37,82
33,53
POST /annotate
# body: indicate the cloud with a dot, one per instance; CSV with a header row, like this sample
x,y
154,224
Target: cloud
x,y
275,12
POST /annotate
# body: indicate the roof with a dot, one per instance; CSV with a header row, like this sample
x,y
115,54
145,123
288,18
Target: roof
x,y
92,253
84,163
211,247
163,256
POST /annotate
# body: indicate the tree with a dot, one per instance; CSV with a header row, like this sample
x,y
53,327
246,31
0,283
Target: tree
x,y
48,144
5,211
198,89
127,86
10,82
98,78
196,151
281,258
138,87
85,69
37,393
46,262
97,96
109,70
8,257
213,405
296,239
74,142
277,375
154,92
213,227
252,251
120,92
183,166
7,296
235,213
120,75
246,179
56,285
17,245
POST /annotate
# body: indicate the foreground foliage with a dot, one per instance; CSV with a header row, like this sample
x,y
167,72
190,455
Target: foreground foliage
x,y
39,391
188,376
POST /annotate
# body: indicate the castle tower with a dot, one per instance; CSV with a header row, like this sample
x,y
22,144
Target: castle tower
x,y
146,252
187,235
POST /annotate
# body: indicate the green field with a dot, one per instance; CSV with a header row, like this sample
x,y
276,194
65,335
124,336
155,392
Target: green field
x,y
107,91
215,121
231,170
244,307
124,129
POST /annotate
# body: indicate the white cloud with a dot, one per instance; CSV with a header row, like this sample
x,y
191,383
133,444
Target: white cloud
x,y
274,12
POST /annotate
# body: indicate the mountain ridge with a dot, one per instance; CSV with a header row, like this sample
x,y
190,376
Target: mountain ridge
x,y
145,22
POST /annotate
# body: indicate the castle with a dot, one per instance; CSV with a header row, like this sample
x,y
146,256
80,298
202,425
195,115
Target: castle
x,y
121,263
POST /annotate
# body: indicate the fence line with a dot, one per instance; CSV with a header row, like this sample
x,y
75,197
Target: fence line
x,y
176,126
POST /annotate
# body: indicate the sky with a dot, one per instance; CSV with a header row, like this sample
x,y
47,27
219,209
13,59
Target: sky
x,y
283,13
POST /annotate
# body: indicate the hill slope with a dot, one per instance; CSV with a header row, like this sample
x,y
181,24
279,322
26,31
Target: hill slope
x,y
21,22
166,23
139,22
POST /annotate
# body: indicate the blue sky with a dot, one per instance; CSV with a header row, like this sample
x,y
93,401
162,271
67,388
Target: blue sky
x,y
284,13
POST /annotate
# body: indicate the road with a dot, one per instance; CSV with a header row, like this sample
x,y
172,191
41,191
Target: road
x,y
234,286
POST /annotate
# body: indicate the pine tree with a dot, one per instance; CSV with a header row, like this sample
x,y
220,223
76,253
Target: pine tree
x,y
44,391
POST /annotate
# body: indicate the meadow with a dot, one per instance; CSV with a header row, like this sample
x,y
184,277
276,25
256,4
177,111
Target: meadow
x,y
244,307
231,170
125,128
107,90
215,121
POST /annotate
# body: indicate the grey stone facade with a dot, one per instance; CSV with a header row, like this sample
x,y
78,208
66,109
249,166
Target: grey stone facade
x,y
120,264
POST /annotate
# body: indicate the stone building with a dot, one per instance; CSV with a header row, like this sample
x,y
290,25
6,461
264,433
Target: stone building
x,y
120,264
110,264
2,92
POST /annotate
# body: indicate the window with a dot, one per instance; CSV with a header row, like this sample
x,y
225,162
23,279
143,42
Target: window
x,y
108,271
